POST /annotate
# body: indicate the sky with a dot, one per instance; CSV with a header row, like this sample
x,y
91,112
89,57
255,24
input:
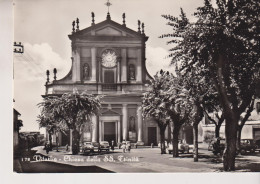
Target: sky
x,y
43,27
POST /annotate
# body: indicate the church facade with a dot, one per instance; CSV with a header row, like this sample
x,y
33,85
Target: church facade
x,y
109,59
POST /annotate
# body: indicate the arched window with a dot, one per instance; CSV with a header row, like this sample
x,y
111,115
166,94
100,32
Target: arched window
x,y
131,72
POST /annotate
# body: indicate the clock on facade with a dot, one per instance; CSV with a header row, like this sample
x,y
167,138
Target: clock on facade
x,y
109,58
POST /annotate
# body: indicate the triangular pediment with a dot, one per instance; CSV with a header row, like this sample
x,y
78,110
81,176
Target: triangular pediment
x,y
107,28
110,112
109,31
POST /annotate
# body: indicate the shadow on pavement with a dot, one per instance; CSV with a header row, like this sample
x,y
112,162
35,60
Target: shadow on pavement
x,y
53,167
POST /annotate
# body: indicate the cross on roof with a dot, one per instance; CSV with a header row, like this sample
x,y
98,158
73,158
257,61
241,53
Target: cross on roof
x,y
108,4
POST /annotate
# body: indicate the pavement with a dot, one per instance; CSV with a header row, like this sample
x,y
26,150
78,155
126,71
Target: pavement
x,y
140,160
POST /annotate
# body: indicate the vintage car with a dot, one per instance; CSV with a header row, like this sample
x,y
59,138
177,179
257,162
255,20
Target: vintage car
x,y
90,147
87,147
104,146
182,147
247,145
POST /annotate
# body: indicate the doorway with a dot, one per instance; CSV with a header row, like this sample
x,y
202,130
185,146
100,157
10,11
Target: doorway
x,y
152,136
109,77
110,132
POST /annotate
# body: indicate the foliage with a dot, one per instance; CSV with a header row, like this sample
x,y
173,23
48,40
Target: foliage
x,y
167,101
71,110
155,103
223,45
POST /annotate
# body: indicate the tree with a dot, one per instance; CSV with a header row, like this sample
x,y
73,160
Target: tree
x,y
224,43
46,122
154,104
179,108
71,110
198,93
167,102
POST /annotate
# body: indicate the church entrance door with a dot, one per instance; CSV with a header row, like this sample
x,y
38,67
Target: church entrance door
x,y
110,132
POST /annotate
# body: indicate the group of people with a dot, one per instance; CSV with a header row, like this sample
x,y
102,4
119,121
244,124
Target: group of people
x,y
126,146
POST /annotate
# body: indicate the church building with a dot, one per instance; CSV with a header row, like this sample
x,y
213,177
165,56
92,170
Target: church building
x,y
108,59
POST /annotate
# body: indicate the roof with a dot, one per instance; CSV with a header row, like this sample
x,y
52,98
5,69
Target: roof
x,y
105,23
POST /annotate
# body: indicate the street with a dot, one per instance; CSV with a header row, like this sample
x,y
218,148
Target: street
x,y
146,160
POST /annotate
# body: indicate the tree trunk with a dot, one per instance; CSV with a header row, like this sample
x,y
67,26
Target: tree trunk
x,y
163,148
175,141
57,142
50,141
195,143
239,137
75,141
230,150
217,129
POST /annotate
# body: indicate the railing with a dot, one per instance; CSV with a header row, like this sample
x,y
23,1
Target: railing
x,y
109,87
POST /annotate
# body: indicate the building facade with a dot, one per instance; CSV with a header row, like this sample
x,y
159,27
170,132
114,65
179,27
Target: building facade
x,y
17,123
251,129
109,59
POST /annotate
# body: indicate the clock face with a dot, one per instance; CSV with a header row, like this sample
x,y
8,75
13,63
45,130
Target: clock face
x,y
109,58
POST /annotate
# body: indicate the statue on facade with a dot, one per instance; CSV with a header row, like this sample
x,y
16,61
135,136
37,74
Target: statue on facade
x,y
85,71
132,72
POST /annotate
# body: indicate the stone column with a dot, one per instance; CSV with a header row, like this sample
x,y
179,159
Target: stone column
x,y
74,67
123,66
118,132
139,66
140,125
93,63
100,131
118,72
94,129
125,121
76,64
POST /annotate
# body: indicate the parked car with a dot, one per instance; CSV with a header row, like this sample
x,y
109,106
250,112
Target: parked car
x,y
247,145
104,146
217,146
90,147
96,147
182,147
87,147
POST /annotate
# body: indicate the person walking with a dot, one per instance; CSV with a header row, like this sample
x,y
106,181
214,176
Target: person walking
x,y
128,146
123,146
47,148
112,145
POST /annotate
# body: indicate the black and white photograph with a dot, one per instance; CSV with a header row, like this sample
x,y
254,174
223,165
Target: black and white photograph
x,y
136,86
